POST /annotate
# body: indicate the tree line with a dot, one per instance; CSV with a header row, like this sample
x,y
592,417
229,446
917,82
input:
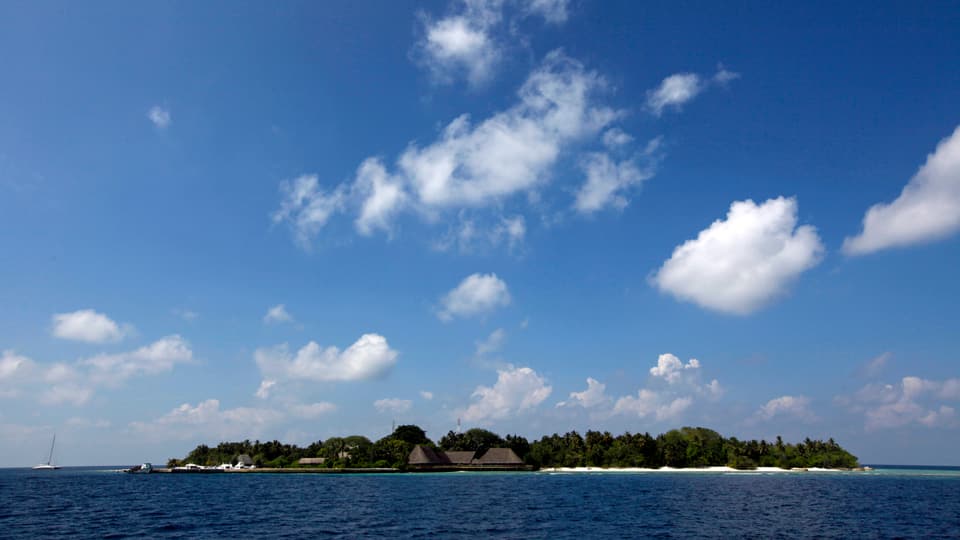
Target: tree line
x,y
679,448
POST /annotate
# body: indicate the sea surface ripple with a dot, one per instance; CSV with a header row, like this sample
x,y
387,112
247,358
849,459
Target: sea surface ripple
x,y
90,503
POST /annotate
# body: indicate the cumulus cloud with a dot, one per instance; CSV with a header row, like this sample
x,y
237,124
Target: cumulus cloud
x,y
310,411
460,45
277,314
469,42
475,234
14,366
368,358
913,400
797,407
306,206
470,166
207,419
607,180
493,343
741,264
674,389
927,209
672,369
77,382
593,396
159,357
89,326
552,11
265,389
159,116
477,294
426,395
677,89
383,196
876,365
516,390
650,403
615,138
673,91
513,150
392,405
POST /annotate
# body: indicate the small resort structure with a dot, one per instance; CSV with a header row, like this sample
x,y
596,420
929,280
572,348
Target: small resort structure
x,y
424,458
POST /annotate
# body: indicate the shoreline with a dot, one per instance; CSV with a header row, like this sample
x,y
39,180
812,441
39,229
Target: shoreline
x,y
717,469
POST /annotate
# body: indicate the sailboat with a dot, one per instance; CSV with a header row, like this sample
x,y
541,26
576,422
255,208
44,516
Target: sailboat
x,y
49,464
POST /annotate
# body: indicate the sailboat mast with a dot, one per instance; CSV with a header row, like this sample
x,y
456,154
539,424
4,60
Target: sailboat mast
x,y
50,457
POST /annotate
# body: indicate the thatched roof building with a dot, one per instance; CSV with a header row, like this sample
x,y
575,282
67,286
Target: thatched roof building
x,y
499,457
426,458
311,461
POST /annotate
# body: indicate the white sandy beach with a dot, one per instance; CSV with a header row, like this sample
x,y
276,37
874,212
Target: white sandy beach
x,y
684,470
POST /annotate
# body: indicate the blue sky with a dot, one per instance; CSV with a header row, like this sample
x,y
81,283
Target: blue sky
x,y
241,220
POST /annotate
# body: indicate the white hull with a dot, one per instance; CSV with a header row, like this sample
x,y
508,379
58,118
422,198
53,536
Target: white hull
x,y
44,467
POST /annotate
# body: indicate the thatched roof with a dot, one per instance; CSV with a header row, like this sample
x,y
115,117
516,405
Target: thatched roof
x,y
245,460
458,457
311,461
499,456
424,455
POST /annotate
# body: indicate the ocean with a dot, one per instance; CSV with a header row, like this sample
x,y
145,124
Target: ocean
x,y
98,503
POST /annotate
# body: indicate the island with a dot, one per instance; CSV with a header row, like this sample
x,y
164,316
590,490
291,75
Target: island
x,y
408,449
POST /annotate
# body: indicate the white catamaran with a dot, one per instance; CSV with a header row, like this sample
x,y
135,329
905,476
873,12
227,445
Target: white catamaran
x,y
49,464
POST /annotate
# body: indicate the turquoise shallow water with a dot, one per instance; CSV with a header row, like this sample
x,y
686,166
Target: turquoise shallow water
x,y
92,503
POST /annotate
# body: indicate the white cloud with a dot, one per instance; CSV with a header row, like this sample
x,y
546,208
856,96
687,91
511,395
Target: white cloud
x,y
797,407
471,234
383,196
673,91
477,294
459,45
207,419
470,42
368,358
277,314
927,209
89,326
493,343
76,383
512,151
650,403
186,314
593,396
470,167
306,206
913,400
159,116
552,11
265,389
426,395
392,405
312,410
68,392
679,88
674,395
607,179
876,365
14,366
741,264
516,390
158,357
615,138
671,369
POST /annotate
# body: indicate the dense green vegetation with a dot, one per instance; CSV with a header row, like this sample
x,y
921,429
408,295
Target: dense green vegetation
x,y
685,447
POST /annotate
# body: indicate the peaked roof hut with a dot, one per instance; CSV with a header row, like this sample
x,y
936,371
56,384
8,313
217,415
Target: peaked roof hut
x,y
499,457
424,455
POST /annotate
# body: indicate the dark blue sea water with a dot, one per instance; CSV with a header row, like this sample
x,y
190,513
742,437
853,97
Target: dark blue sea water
x,y
88,503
